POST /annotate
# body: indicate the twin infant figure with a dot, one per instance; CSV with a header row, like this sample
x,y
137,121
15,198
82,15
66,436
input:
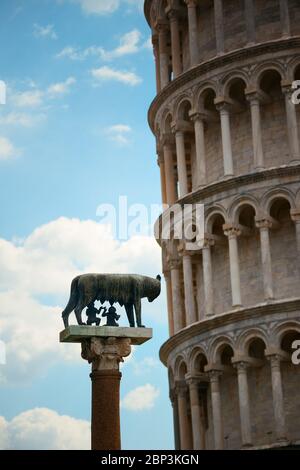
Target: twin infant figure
x,y
110,314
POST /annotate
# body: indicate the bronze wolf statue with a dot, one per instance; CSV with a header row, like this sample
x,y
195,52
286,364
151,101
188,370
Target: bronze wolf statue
x,y
126,289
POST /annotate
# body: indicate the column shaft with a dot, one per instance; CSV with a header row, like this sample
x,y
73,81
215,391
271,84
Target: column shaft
x,y
285,18
181,163
219,26
105,410
292,127
258,154
193,32
216,410
190,305
200,151
250,21
178,311
157,63
226,141
163,57
197,425
266,259
169,303
185,432
278,398
208,280
175,42
170,175
234,267
163,180
244,404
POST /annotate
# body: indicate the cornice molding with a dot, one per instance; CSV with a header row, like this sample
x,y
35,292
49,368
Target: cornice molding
x,y
237,55
227,318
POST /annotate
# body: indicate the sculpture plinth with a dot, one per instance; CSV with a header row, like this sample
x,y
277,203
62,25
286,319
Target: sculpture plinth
x,y
104,348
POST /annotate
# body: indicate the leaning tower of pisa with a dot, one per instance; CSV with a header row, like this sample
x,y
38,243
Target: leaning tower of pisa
x,y
227,136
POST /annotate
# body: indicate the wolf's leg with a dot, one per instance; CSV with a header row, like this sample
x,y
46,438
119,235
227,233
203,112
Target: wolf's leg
x,y
78,311
138,312
130,316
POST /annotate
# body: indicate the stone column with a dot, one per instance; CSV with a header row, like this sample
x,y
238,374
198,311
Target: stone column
x,y
157,61
161,164
197,422
207,276
219,26
292,126
295,216
223,108
185,431
258,154
250,21
232,233
193,32
105,354
167,275
178,310
214,377
181,163
264,226
278,406
173,16
170,175
285,18
244,403
198,119
174,402
163,55
190,304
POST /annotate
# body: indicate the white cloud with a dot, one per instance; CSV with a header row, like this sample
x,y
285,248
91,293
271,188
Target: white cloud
x,y
61,88
22,119
44,429
28,99
108,74
130,43
7,149
44,31
99,7
118,133
34,286
141,398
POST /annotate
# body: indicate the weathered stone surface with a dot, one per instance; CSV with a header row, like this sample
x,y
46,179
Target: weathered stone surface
x,y
77,334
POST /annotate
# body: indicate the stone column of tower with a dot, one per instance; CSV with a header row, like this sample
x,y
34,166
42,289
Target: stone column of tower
x,y
232,128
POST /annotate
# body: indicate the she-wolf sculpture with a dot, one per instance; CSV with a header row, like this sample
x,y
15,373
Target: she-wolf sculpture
x,y
126,289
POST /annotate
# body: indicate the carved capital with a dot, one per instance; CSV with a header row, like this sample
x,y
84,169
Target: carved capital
x,y
181,389
241,366
191,3
214,375
263,224
231,231
295,215
105,353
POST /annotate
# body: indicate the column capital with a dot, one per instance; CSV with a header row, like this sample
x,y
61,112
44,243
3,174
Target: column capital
x,y
223,103
172,13
295,215
180,127
193,380
276,356
105,353
173,262
162,27
263,223
191,3
231,231
286,87
197,116
208,241
241,366
255,94
181,389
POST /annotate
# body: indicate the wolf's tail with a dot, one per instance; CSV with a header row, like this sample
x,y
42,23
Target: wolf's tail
x,y
73,297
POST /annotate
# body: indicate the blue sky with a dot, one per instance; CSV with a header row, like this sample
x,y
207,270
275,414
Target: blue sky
x,y
73,135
